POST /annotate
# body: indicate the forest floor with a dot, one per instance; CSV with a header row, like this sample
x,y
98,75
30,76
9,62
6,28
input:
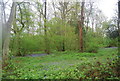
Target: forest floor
x,y
55,65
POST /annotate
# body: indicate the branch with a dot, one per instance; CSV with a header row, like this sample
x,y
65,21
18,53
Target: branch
x,y
12,14
14,30
21,18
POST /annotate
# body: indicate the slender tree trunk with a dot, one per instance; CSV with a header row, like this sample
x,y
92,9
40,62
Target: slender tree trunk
x,y
119,29
53,4
64,20
93,25
81,22
47,49
16,47
45,30
88,18
6,35
63,46
16,44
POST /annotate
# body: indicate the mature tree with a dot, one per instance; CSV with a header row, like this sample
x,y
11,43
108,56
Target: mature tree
x,y
6,34
64,10
47,49
81,26
21,22
39,16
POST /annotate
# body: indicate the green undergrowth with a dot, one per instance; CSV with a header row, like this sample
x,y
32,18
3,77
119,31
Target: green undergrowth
x,y
63,65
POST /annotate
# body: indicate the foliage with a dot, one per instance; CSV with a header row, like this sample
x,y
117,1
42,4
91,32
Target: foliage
x,y
58,35
98,70
93,41
64,65
111,31
62,30
114,34
59,32
28,44
31,44
110,42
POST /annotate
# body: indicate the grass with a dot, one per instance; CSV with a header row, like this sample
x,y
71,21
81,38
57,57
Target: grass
x,y
55,66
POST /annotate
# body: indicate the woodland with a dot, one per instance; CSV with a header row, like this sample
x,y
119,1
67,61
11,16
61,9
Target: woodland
x,y
59,40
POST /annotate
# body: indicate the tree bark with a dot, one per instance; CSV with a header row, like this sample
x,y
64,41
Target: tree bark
x,y
6,35
47,48
81,22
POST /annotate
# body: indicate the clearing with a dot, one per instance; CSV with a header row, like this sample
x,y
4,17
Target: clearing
x,y
56,65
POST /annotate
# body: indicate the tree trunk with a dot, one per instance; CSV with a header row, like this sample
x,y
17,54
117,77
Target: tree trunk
x,y
5,49
6,35
63,46
119,29
47,49
81,39
81,25
93,25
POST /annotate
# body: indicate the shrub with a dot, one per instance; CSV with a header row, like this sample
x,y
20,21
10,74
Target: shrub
x,y
109,70
92,43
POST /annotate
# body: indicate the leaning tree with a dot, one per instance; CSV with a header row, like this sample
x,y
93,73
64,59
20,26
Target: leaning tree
x,y
6,28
